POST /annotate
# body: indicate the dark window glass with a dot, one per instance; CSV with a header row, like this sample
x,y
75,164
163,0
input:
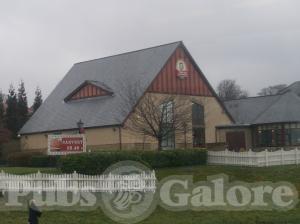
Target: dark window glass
x,y
277,135
168,140
295,136
197,114
265,138
198,137
198,125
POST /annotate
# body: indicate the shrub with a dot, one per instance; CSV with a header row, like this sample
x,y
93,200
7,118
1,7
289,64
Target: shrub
x,y
19,159
26,159
173,158
96,163
44,161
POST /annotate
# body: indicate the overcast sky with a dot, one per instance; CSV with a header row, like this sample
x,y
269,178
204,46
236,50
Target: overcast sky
x,y
255,42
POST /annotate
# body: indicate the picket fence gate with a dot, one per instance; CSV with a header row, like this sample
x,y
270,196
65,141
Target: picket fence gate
x,y
256,159
40,182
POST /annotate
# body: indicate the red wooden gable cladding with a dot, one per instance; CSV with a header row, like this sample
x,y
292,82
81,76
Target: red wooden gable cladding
x,y
88,91
167,80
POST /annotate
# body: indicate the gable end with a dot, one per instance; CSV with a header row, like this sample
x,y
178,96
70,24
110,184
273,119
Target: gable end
x,y
88,89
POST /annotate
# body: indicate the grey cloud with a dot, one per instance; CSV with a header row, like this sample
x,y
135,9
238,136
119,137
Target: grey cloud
x,y
255,42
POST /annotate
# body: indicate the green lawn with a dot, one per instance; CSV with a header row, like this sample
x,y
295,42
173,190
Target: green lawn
x,y
286,173
27,170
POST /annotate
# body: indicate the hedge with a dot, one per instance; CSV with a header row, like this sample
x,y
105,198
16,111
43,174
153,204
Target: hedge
x,y
45,161
96,163
25,159
19,159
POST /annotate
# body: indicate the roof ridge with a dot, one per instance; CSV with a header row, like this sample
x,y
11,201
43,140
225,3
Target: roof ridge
x,y
251,97
288,87
130,52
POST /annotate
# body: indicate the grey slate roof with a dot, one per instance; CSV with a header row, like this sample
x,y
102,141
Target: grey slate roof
x,y
56,114
294,87
283,107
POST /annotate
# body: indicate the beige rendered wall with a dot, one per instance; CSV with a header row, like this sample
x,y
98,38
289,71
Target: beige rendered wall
x,y
221,135
106,138
214,115
109,137
34,143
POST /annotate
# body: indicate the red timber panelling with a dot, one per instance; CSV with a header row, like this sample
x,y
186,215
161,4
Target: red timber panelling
x,y
168,82
88,91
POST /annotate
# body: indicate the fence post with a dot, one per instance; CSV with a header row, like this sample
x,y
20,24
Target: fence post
x,y
266,158
282,156
226,155
39,182
75,182
296,149
2,184
252,156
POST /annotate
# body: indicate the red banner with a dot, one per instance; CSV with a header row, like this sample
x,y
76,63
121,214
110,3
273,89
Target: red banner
x,y
66,144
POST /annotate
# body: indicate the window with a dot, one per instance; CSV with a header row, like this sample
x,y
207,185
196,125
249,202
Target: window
x,y
277,135
292,134
295,136
168,140
198,125
265,138
198,137
167,112
271,135
197,114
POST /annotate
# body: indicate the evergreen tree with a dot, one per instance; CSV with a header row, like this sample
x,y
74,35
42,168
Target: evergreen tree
x,y
38,100
22,106
1,109
11,116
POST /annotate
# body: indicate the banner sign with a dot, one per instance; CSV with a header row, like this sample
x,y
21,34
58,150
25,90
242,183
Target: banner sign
x,y
66,144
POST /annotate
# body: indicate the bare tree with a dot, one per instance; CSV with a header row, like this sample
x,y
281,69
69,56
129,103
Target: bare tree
x,y
229,90
272,90
157,116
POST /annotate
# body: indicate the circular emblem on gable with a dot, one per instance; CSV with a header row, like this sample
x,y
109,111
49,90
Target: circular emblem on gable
x,y
181,68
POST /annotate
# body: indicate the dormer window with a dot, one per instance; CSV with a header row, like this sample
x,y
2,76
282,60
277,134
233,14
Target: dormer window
x,y
89,89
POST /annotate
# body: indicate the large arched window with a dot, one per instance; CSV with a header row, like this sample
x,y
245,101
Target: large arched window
x,y
198,125
168,140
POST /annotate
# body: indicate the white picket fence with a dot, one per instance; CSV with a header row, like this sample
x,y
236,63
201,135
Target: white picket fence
x,y
257,159
39,182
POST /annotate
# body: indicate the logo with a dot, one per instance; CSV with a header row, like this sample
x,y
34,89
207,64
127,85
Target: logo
x,y
128,192
130,206
124,200
181,68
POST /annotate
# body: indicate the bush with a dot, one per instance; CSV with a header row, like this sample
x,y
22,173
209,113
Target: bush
x,y
19,159
96,163
44,161
174,158
25,159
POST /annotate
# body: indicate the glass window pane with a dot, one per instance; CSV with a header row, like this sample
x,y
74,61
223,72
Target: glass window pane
x,y
197,114
168,140
295,136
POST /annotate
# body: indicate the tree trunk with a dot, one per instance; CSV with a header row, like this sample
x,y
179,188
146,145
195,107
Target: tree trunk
x,y
159,144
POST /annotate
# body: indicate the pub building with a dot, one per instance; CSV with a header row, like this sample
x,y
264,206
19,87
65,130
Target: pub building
x,y
262,122
88,100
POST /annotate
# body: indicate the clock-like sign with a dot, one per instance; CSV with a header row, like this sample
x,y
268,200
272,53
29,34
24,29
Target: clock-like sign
x,y
181,68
